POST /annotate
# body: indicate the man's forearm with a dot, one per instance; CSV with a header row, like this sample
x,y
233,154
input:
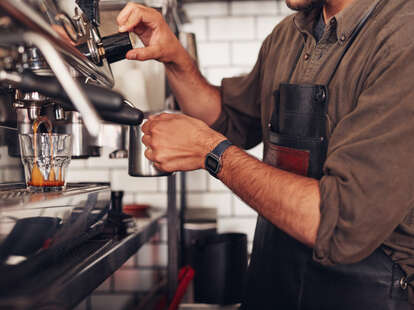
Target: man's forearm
x,y
289,201
196,97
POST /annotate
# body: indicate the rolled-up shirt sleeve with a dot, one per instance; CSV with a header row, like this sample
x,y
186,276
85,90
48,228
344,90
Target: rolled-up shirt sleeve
x,y
367,189
240,119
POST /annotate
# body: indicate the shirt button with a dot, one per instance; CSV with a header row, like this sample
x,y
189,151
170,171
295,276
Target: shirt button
x,y
343,38
307,56
318,254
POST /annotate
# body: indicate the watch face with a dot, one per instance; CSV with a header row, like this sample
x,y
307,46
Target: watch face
x,y
212,163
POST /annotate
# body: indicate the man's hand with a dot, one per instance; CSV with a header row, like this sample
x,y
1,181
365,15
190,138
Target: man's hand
x,y
176,142
184,78
159,41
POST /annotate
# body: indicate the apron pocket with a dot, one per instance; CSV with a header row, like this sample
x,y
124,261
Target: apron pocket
x,y
292,160
301,155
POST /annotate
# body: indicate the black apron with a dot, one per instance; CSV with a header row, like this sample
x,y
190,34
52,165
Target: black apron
x,y
282,274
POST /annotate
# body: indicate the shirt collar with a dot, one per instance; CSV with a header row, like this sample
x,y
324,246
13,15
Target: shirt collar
x,y
344,22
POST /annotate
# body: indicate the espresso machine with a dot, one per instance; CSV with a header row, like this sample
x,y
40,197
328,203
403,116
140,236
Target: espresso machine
x,y
55,63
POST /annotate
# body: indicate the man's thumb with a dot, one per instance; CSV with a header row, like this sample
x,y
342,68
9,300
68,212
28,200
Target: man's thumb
x,y
144,53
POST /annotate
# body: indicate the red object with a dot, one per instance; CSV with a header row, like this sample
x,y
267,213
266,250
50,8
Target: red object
x,y
185,276
289,159
47,243
136,210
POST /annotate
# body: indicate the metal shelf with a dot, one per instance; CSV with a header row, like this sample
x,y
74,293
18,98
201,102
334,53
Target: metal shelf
x,y
63,285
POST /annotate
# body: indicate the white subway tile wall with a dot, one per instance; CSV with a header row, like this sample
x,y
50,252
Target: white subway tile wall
x,y
255,8
222,201
212,8
231,28
244,53
229,36
214,53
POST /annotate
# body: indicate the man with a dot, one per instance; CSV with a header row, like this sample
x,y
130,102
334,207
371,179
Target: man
x,y
331,97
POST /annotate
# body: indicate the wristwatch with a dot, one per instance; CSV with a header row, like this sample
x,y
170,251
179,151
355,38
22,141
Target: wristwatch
x,y
213,159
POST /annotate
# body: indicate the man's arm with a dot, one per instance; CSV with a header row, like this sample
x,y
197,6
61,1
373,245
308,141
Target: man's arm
x,y
289,201
195,95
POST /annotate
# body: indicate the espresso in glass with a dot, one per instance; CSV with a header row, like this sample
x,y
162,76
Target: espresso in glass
x,y
45,157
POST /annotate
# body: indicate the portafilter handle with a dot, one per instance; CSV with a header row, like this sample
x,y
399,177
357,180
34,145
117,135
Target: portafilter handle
x,y
113,47
116,46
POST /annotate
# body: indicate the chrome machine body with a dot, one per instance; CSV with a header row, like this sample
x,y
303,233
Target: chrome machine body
x,y
54,62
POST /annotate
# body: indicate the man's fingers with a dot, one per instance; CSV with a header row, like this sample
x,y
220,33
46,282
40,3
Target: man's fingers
x,y
146,139
167,116
124,14
164,167
146,128
144,53
163,116
133,14
134,19
149,154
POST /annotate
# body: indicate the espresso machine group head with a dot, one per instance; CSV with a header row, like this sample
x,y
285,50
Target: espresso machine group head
x,y
54,62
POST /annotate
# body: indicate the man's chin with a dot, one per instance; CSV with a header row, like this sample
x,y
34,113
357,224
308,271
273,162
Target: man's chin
x,y
304,5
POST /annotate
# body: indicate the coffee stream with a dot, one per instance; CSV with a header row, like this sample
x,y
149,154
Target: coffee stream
x,y
37,178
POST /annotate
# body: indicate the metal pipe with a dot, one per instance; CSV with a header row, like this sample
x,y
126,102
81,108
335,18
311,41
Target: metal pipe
x,y
172,218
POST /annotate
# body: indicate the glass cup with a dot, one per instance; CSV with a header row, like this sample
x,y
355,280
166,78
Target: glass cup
x,y
45,159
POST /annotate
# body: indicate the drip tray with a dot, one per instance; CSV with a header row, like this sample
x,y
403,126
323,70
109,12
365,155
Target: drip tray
x,y
16,196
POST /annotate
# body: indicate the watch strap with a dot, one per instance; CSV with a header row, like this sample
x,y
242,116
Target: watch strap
x,y
216,155
221,147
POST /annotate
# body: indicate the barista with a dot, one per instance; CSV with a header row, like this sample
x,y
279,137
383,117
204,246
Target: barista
x,y
331,96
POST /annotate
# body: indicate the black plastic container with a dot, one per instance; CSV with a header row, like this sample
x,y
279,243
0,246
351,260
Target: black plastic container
x,y
220,269
192,233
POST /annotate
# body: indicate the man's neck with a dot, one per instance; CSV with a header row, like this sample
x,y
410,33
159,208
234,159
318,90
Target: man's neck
x,y
333,7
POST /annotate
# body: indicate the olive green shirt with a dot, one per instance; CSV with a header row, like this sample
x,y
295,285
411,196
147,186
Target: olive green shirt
x,y
367,191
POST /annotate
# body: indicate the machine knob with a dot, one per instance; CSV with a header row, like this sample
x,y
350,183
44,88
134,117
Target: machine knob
x,y
116,199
